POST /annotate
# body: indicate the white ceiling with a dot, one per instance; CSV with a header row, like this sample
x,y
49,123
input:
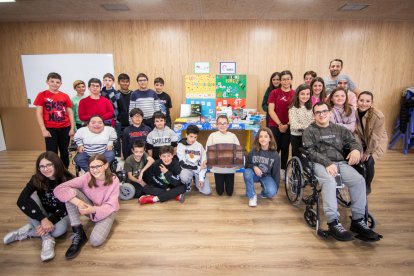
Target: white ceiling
x,y
92,10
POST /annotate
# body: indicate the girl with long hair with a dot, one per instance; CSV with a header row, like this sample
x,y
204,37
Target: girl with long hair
x,y
47,214
279,102
370,132
342,113
300,116
274,83
262,165
95,195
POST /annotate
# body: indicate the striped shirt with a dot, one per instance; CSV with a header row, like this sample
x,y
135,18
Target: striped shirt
x,y
146,100
95,142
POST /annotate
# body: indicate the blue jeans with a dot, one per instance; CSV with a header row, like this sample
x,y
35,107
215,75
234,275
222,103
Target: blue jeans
x,y
60,227
82,158
269,185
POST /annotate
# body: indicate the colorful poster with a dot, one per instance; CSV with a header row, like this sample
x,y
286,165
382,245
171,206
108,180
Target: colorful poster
x,y
233,103
200,86
231,86
208,107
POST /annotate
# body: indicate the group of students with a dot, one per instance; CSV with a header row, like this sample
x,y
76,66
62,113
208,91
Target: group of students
x,y
290,112
159,166
59,116
53,199
333,117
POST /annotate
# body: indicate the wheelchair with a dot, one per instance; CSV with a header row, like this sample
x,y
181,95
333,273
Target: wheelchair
x,y
299,175
127,190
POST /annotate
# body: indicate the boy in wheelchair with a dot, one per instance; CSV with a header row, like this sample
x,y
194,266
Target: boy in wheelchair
x,y
325,142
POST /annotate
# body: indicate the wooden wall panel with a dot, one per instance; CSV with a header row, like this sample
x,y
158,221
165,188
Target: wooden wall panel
x,y
377,55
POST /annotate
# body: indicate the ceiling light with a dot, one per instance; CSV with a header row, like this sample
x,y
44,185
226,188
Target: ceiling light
x,y
7,1
115,7
353,7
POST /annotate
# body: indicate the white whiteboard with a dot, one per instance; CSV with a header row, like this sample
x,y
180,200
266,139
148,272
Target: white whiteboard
x,y
70,66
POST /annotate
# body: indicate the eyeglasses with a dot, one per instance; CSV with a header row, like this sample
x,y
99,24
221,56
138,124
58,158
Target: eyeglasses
x,y
342,82
44,167
323,112
142,80
97,167
222,124
94,85
137,116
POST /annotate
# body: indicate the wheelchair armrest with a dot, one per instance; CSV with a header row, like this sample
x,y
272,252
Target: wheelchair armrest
x,y
73,147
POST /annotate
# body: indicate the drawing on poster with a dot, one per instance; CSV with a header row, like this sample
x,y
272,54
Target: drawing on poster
x,y
231,86
200,86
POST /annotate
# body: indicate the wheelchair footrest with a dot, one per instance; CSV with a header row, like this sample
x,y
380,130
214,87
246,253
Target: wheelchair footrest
x,y
323,233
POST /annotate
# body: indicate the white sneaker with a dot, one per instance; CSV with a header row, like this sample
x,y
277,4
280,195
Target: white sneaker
x,y
17,235
253,201
48,250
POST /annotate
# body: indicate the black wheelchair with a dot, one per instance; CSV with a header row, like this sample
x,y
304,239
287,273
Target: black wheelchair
x,y
127,190
299,175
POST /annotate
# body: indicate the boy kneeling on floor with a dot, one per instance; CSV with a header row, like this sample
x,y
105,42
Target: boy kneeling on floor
x,y
164,179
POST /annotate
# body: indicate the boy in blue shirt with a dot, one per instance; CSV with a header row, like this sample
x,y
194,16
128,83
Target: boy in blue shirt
x,y
136,131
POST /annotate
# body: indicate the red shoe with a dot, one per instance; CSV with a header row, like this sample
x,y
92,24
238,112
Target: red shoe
x,y
180,198
145,199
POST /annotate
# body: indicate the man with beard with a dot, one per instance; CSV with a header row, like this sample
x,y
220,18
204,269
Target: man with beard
x,y
331,82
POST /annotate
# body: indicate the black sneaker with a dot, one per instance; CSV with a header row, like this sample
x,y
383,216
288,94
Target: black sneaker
x,y
337,231
361,228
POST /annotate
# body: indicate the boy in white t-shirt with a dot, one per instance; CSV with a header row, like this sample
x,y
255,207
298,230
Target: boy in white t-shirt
x,y
193,161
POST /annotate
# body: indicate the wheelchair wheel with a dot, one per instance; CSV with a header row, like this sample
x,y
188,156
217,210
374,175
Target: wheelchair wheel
x,y
122,176
127,191
371,221
310,217
343,197
294,182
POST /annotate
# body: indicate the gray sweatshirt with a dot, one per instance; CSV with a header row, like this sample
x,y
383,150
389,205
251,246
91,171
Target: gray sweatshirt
x,y
267,161
326,144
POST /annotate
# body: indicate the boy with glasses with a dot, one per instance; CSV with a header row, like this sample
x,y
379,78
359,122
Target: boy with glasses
x,y
136,131
325,142
145,99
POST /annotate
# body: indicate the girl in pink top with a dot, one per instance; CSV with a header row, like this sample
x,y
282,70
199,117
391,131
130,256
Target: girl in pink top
x,y
317,90
95,195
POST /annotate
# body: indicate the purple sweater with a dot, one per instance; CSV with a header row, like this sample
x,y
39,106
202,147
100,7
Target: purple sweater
x,y
339,117
105,198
